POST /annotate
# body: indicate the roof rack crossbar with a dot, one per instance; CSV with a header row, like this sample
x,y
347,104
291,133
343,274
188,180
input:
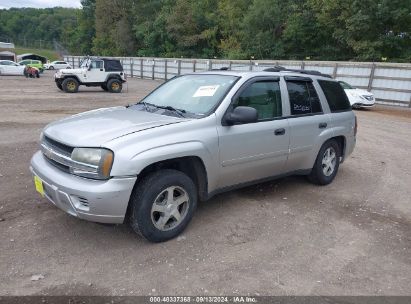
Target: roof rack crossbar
x,y
278,68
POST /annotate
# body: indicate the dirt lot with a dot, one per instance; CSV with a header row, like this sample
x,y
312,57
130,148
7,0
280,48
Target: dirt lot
x,y
286,237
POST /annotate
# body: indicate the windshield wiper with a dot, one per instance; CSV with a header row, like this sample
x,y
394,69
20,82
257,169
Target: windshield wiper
x,y
169,108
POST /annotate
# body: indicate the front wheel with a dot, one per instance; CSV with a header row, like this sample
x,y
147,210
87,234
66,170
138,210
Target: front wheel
x,y
327,163
51,67
162,205
70,85
58,84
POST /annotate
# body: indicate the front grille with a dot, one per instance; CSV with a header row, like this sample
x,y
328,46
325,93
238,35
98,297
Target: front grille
x,y
62,148
56,153
58,165
59,155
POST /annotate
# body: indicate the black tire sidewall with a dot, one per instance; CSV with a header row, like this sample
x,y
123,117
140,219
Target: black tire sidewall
x,y
319,174
51,68
144,196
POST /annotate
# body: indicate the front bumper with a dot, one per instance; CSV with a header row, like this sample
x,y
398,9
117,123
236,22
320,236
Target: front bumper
x,y
363,104
103,201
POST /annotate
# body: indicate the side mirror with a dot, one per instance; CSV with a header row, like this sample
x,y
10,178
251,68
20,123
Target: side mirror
x,y
241,115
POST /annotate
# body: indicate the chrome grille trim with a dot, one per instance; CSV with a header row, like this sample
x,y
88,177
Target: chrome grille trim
x,y
64,159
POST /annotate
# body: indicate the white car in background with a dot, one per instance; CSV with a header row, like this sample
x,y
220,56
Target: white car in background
x,y
358,98
57,65
8,67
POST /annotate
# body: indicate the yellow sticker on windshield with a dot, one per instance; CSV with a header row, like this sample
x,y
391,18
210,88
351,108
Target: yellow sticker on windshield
x,y
204,91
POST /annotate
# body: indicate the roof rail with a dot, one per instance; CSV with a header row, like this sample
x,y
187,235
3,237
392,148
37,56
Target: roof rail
x,y
278,68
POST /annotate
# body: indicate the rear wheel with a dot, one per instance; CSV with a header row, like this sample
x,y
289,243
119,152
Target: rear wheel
x,y
162,205
70,85
327,163
114,85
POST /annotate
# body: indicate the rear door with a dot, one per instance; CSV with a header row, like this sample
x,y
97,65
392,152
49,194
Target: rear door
x,y
257,150
307,122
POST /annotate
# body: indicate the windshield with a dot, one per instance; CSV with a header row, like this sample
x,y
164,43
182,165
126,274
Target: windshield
x,y
346,86
84,63
194,94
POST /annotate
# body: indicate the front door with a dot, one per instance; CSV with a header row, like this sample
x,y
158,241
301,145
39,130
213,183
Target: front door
x,y
257,150
95,72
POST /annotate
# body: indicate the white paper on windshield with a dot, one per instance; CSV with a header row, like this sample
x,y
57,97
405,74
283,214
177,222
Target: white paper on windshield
x,y
206,91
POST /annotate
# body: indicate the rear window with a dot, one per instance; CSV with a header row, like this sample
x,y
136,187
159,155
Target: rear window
x,y
336,97
113,65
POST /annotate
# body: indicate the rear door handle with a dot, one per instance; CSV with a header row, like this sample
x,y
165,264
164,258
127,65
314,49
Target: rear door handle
x,y
322,125
279,131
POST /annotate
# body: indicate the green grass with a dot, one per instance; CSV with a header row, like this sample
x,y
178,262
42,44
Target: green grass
x,y
50,54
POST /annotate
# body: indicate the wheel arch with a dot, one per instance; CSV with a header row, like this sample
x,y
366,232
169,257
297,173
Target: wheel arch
x,y
113,76
71,76
192,166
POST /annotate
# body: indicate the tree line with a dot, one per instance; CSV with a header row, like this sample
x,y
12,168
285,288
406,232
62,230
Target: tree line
x,y
366,30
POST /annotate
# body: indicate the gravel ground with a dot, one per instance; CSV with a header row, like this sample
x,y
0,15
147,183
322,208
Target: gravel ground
x,y
286,237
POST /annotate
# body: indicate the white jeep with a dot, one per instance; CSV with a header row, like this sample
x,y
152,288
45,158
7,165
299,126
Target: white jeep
x,y
93,72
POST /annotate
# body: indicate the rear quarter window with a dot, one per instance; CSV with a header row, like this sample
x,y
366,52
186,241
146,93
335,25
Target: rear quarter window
x,y
336,97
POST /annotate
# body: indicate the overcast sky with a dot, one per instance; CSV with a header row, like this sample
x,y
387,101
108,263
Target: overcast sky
x,y
39,3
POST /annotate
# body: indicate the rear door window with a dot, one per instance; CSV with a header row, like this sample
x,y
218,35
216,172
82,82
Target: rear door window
x,y
336,97
303,98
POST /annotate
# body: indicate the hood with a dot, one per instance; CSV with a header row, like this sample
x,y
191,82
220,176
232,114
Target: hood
x,y
94,128
72,71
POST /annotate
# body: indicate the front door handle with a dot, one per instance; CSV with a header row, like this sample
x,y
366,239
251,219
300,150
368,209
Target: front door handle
x,y
322,125
279,131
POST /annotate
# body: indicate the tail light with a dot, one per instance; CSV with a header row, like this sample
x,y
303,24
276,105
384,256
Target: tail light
x,y
355,126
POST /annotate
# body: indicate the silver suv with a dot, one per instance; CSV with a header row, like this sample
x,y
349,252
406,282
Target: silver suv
x,y
193,137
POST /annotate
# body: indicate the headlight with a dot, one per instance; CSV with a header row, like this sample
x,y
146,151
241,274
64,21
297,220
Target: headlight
x,y
92,162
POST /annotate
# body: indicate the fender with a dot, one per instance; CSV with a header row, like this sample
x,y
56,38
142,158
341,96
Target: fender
x,y
320,140
113,75
70,76
144,158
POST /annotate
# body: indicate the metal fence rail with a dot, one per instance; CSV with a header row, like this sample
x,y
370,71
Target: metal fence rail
x,y
390,82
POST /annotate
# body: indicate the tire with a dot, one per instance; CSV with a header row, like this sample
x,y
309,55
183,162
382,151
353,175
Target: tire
x,y
58,84
326,164
51,67
148,197
114,85
70,85
104,87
